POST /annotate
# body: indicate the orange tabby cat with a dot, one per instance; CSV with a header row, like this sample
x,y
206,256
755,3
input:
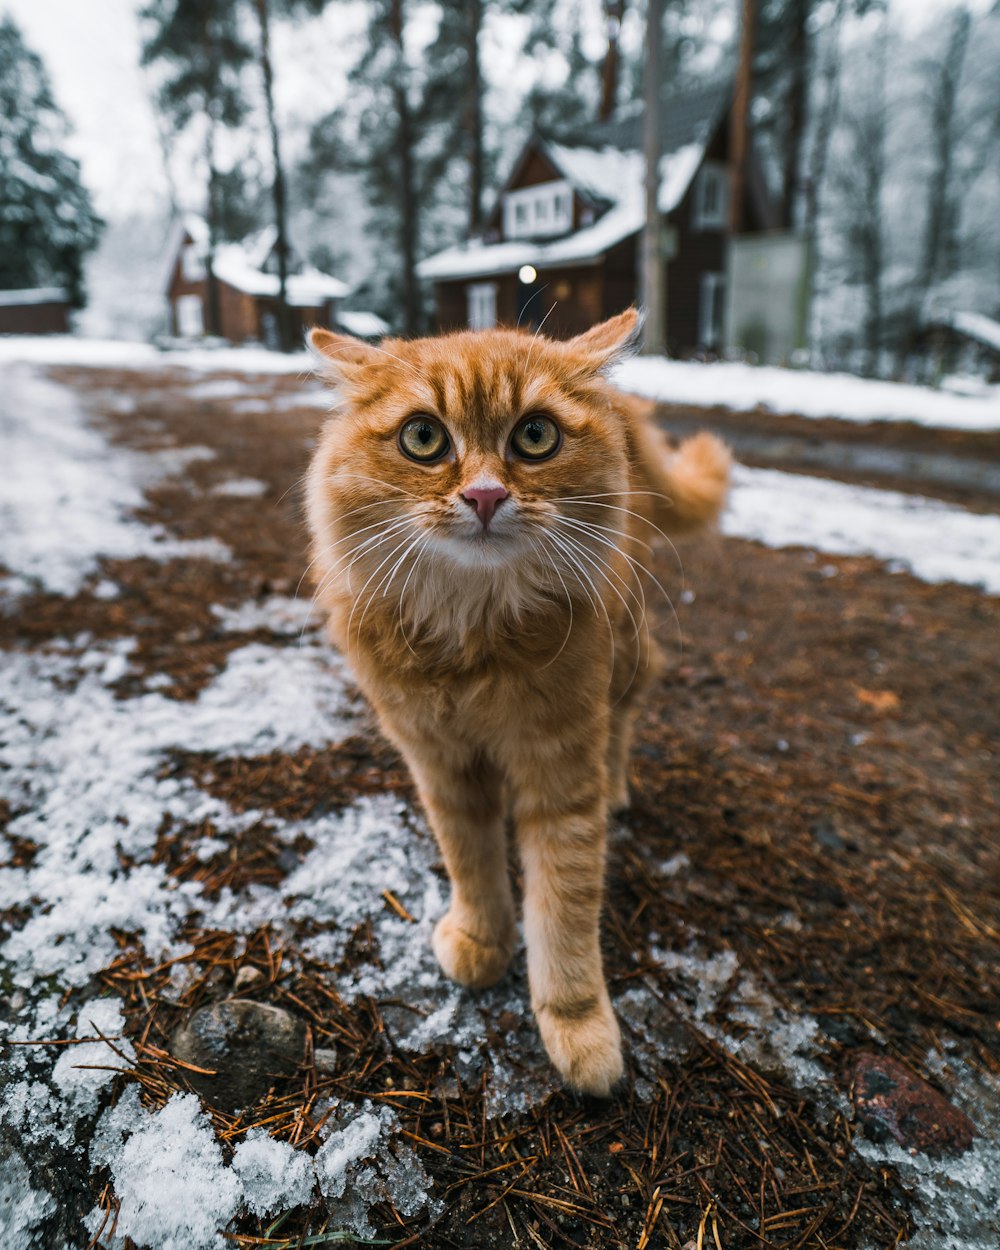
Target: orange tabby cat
x,y
481,506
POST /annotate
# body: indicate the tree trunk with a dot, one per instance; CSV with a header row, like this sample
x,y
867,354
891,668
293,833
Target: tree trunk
x,y
739,119
474,117
614,13
213,310
408,221
798,57
820,149
285,338
872,163
940,189
654,292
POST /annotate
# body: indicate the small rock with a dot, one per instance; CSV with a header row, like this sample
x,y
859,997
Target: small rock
x,y
827,834
325,1060
890,1099
247,977
247,1045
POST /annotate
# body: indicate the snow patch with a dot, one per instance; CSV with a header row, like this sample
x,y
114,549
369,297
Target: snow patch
x,y
805,394
81,1072
935,541
279,614
67,493
241,488
168,1174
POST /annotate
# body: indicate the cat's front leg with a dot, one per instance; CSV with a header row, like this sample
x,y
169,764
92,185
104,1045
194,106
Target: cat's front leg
x,y
561,834
462,795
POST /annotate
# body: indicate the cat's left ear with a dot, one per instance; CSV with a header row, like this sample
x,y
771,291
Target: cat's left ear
x,y
604,345
339,356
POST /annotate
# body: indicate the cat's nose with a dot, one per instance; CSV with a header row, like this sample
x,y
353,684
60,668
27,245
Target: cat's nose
x,y
484,498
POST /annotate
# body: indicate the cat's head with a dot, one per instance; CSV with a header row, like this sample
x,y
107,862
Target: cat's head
x,y
468,448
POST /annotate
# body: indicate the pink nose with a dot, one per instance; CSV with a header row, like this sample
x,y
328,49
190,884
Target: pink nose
x,y
485,499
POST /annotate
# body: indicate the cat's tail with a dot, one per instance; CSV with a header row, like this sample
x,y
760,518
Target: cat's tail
x,y
687,485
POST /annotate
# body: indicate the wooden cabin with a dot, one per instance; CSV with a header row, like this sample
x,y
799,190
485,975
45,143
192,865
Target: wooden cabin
x,y
563,240
246,277
40,310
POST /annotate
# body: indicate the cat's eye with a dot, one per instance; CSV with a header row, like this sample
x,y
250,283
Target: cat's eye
x,y
424,438
536,437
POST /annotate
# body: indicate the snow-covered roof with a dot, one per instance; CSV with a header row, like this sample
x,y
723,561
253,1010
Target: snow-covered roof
x,y
239,265
34,295
306,289
977,326
607,168
363,325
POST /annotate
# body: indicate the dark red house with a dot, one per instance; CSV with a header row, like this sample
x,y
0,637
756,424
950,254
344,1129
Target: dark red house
x,y
563,239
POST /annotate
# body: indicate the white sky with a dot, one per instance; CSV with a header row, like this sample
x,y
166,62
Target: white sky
x,y
91,50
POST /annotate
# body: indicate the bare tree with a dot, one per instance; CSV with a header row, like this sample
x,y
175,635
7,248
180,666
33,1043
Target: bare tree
x,y
943,186
861,183
654,295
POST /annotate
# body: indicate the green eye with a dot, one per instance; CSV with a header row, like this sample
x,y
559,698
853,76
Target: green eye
x,y
536,437
423,438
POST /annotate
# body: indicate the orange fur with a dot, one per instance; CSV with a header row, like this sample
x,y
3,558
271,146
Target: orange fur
x,y
505,660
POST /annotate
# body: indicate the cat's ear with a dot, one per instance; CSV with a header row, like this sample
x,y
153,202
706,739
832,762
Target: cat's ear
x,y
339,356
605,344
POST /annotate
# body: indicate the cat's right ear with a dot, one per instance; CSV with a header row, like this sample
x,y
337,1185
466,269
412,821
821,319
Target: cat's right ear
x,y
339,356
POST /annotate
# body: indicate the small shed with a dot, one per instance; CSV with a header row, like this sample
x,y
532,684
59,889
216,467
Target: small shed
x,y
965,342
40,310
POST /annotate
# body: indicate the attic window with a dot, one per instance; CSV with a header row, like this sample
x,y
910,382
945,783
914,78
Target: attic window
x,y
540,211
711,197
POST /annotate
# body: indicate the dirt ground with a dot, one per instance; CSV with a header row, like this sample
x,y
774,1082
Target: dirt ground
x,y
822,747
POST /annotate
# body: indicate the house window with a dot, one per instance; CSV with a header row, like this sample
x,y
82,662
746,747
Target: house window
x,y
192,265
711,197
540,211
190,321
482,305
710,309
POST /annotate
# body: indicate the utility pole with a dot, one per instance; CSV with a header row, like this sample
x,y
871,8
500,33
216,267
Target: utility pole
x,y
654,285
740,113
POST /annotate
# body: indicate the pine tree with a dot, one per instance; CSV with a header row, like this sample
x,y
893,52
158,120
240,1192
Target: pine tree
x,y
265,10
47,221
398,157
200,44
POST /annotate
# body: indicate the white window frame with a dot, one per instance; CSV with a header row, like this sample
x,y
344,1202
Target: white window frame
x,y
192,264
542,211
711,197
482,305
711,309
190,316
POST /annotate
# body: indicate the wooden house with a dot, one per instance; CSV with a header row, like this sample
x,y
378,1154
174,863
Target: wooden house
x,y
246,277
41,310
563,239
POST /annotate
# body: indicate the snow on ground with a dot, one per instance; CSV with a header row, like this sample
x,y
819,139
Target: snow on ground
x,y
67,493
67,349
805,394
935,541
82,771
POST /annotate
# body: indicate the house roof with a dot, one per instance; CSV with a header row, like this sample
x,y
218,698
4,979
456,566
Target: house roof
x,y
363,325
976,326
239,265
34,295
604,163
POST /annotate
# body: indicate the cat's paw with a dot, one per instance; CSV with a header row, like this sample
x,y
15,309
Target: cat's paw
x,y
584,1043
468,960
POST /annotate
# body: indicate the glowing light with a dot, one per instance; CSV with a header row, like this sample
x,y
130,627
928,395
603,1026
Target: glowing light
x,y
527,274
